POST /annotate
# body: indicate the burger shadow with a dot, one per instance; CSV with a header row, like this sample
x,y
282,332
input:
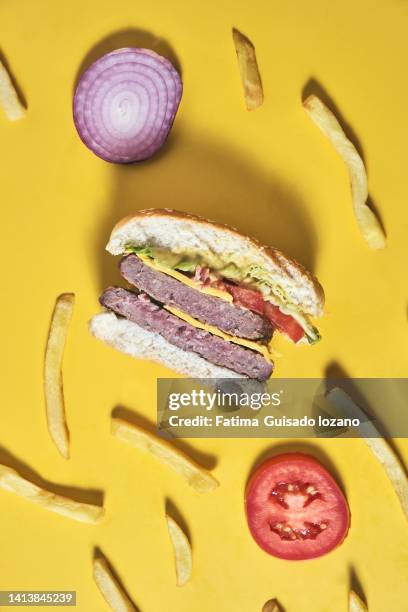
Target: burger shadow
x,y
85,496
206,177
128,37
308,448
204,459
314,87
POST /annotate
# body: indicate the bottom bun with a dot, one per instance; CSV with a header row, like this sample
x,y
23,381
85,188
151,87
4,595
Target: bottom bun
x,y
129,338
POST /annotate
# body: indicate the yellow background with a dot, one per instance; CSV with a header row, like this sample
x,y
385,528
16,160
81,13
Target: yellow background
x,y
272,174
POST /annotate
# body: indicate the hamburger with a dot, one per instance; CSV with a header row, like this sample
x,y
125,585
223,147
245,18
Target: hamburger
x,y
202,298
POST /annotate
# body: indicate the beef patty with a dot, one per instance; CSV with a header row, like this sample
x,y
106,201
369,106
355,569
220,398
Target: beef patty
x,y
138,307
228,317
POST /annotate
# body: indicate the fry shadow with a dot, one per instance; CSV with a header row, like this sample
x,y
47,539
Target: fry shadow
x,y
17,87
98,554
306,448
355,584
337,376
314,87
206,460
85,496
172,510
278,606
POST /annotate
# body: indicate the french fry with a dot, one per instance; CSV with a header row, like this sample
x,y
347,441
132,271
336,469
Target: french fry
x,y
368,223
11,481
182,552
248,69
381,450
356,604
393,468
197,477
9,98
272,606
109,587
53,388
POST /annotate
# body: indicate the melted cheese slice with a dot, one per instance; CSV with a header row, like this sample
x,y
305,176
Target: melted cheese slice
x,y
223,295
250,344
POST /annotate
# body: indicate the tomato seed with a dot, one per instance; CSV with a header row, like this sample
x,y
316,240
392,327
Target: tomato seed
x,y
309,531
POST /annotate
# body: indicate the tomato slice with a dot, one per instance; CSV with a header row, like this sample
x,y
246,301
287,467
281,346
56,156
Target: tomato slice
x,y
253,300
285,323
249,298
295,510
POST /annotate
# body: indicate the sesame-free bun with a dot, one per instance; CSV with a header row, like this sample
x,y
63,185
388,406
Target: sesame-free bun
x,y
184,233
130,338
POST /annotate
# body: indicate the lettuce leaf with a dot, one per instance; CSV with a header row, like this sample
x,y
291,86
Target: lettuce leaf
x,y
262,279
186,266
183,266
139,250
232,272
254,274
317,337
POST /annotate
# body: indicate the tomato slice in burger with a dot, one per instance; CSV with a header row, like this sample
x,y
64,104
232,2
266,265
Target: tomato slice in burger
x,y
295,510
249,298
285,323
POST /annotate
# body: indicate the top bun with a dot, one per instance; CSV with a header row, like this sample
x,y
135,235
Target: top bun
x,y
181,232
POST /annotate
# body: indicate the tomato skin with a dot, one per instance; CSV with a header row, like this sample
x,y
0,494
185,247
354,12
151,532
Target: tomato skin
x,y
253,300
249,298
285,323
262,511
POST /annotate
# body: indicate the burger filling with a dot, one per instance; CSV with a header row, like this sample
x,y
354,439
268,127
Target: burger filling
x,y
249,286
140,309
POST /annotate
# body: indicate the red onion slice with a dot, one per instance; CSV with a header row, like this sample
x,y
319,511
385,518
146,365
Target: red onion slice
x,y
125,104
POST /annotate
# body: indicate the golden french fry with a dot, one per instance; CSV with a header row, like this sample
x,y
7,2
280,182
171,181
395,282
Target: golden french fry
x,y
272,606
368,223
197,477
248,69
53,388
356,604
182,552
109,587
8,96
381,450
11,481
391,464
